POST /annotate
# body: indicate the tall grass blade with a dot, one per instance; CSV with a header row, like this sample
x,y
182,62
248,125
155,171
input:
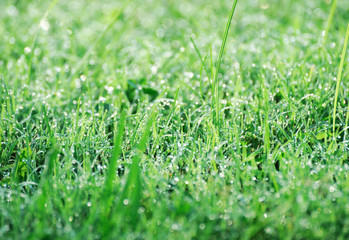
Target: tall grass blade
x,y
339,77
133,188
202,60
116,153
221,52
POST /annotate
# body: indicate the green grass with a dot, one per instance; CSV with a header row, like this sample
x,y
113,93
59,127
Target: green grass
x,y
170,119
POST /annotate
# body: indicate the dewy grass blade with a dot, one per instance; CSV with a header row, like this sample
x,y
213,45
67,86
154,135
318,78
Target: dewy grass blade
x,y
133,185
116,152
221,52
346,130
266,119
339,76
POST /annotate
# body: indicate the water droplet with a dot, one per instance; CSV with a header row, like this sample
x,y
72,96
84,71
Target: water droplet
x,y
202,226
44,24
27,50
331,188
83,77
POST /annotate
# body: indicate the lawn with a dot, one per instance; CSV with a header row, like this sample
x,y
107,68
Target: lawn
x,y
174,119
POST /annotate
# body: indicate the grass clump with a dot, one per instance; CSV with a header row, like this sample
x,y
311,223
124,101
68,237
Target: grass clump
x,y
118,122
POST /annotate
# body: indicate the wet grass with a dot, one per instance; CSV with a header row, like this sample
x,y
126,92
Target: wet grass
x,y
174,119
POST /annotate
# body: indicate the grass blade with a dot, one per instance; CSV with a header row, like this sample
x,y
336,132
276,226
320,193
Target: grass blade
x,y
133,187
339,77
116,153
221,52
202,60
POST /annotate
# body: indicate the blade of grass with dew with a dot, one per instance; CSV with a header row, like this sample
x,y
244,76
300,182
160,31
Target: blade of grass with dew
x,y
133,185
345,134
115,153
167,122
107,194
339,76
266,135
221,52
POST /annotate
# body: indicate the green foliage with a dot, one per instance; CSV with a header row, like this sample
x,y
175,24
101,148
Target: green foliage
x,y
151,119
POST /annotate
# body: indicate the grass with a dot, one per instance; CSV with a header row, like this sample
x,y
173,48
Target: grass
x,y
339,78
150,120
